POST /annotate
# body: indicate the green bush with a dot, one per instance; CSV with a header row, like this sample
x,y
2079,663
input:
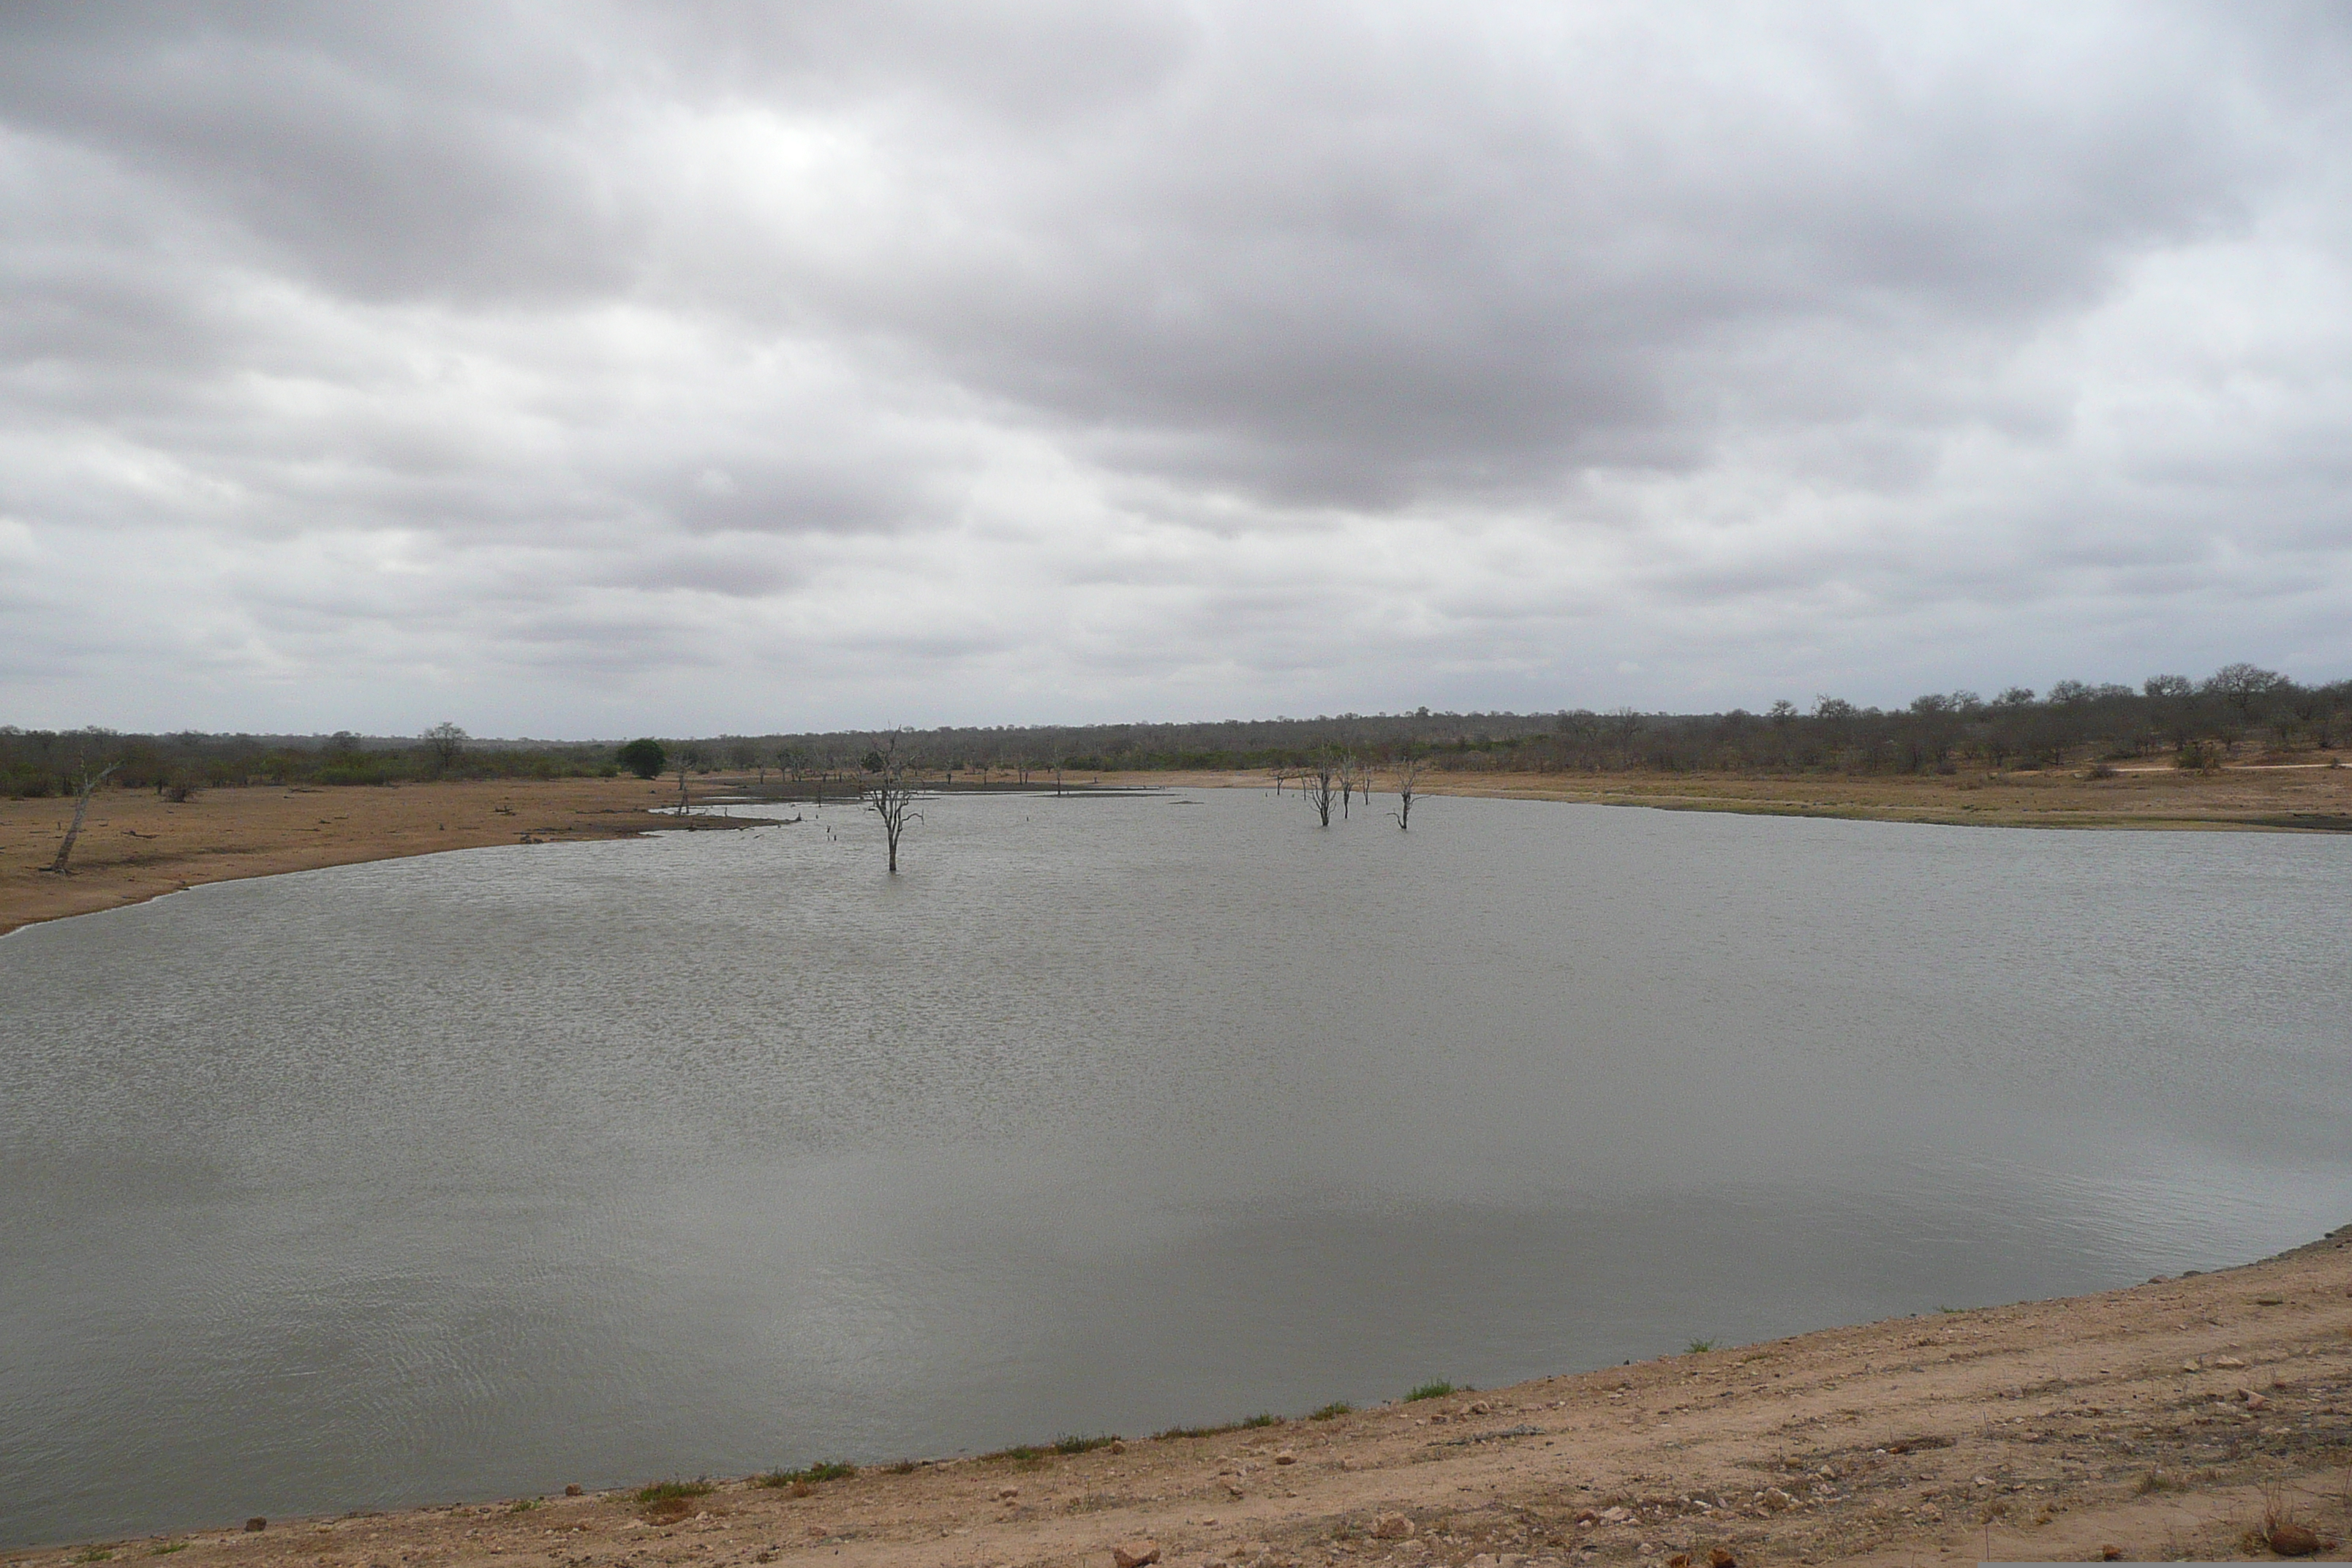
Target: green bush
x,y
1438,1389
642,757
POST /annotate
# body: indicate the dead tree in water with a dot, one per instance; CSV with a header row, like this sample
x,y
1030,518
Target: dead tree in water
x,y
888,797
1409,773
81,807
1320,783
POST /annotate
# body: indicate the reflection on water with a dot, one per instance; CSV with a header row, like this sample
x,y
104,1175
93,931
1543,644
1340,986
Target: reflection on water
x,y
477,1174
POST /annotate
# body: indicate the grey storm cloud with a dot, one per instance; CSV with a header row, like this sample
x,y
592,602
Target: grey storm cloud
x,y
589,367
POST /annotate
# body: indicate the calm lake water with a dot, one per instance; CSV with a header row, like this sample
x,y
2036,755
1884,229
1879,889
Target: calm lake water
x,y
473,1175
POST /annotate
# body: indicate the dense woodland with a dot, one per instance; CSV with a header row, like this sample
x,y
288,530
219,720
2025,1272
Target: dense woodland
x,y
2238,711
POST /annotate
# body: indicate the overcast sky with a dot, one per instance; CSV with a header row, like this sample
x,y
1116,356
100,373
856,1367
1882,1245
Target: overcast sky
x,y
586,370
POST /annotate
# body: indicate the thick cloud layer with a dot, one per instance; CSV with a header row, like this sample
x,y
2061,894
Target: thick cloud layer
x,y
586,370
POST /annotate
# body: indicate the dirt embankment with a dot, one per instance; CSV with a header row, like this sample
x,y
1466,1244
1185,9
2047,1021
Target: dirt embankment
x,y
135,845
2182,1418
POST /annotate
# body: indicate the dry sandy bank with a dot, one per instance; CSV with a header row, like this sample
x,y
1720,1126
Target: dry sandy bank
x,y
2165,1420
135,845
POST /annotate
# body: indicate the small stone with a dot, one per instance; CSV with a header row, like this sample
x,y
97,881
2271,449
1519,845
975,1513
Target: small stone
x,y
2294,1540
1615,1515
1134,1553
2227,1361
572,1491
1117,1447
1483,1560
1479,1408
1393,1527
2255,1401
1285,1458
257,1523
2111,1553
1006,1494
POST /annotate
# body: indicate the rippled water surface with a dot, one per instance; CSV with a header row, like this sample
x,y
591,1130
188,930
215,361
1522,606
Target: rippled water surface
x,y
477,1174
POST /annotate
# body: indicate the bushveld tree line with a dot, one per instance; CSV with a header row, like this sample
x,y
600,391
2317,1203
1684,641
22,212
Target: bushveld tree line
x,y
2239,710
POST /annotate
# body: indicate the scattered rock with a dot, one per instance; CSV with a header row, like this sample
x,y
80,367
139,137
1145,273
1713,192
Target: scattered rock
x,y
2227,1361
1393,1527
1285,1458
1615,1514
2111,1553
1006,1494
2251,1400
1479,1408
572,1491
1117,1447
2294,1540
1483,1560
257,1522
1134,1553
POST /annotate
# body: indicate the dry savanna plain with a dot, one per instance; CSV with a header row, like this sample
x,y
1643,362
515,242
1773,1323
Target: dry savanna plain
x,y
2204,1418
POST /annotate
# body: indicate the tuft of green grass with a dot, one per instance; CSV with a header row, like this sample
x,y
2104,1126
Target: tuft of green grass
x,y
168,1547
1438,1389
94,1554
1953,1310
1262,1418
523,1504
1172,1433
1071,1443
673,1491
906,1467
822,1471
1332,1411
1698,1347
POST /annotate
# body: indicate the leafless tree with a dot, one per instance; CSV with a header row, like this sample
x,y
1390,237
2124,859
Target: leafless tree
x,y
889,797
1320,783
1409,772
447,743
1347,783
81,808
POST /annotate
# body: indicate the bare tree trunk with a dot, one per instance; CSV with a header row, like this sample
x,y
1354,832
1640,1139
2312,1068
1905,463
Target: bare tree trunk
x,y
81,808
1408,775
1319,786
888,798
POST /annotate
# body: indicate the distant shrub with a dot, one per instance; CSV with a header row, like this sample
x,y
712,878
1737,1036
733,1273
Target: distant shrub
x,y
1436,1390
1073,1444
1332,1411
642,757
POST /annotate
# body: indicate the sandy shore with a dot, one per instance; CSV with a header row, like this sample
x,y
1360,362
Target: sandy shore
x,y
2174,1419
136,845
